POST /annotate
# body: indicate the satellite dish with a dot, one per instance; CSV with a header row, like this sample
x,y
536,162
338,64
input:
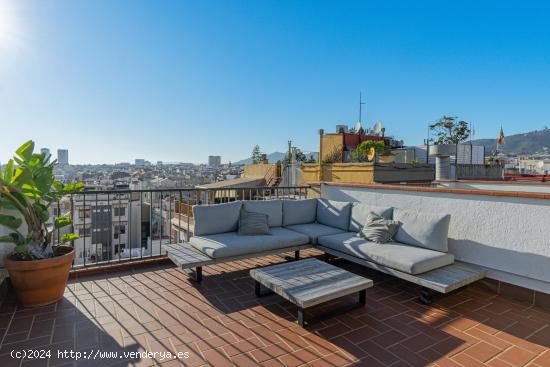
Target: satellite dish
x,y
377,129
370,154
357,127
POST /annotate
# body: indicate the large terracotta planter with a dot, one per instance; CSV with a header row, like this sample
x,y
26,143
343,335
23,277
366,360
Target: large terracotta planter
x,y
41,282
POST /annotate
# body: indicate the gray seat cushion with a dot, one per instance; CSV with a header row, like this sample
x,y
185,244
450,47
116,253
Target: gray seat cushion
x,y
273,208
314,230
232,244
398,256
428,230
360,211
216,218
333,213
299,211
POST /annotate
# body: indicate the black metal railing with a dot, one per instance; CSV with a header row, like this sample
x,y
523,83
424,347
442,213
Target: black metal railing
x,y
126,225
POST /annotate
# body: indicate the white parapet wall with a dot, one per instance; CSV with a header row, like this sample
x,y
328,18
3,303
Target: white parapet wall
x,y
508,235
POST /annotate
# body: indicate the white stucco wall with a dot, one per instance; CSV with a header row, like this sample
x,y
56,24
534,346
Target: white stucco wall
x,y
542,188
510,236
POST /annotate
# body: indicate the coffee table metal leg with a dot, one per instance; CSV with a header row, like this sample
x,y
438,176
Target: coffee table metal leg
x,y
258,289
303,321
297,255
196,274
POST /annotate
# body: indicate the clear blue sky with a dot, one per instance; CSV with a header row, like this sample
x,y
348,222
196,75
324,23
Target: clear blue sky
x,y
179,80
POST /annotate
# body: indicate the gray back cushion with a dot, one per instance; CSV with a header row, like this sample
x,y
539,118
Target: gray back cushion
x,y
253,223
216,218
299,211
360,212
273,208
428,230
379,229
334,213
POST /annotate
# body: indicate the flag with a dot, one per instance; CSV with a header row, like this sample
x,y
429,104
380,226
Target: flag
x,y
500,139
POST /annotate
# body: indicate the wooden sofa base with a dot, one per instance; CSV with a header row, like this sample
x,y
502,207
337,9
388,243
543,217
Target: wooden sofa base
x,y
442,280
188,258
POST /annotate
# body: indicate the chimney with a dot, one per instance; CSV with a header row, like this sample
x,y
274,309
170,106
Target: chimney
x,y
442,155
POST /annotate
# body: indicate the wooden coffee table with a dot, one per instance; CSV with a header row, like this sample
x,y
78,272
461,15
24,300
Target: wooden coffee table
x,y
310,282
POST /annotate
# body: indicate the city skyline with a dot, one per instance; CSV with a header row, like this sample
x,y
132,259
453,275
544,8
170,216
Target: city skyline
x,y
176,81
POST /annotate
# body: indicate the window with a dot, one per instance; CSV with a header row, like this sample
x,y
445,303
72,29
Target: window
x,y
84,213
120,211
122,247
84,232
119,229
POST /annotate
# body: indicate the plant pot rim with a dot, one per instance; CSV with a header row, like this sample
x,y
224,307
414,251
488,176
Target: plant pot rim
x,y
39,263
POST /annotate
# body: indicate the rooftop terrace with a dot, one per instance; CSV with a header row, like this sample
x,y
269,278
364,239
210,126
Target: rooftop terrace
x,y
220,322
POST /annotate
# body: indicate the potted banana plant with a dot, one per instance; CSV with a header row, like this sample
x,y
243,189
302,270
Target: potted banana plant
x,y
38,268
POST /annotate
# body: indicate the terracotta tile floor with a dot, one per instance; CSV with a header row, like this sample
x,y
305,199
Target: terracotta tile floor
x,y
221,323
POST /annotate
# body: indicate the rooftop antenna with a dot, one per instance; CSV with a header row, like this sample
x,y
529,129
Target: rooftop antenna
x,y
361,103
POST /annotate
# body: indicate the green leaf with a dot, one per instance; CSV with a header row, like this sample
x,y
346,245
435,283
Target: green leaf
x,y
21,249
58,186
16,238
10,221
7,239
22,176
62,221
25,150
43,182
8,172
6,204
41,211
73,188
69,237
30,191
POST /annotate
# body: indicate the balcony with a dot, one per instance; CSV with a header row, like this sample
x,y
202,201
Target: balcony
x,y
137,309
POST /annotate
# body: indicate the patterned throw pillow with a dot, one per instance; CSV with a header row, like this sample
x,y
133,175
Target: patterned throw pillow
x,y
378,229
252,223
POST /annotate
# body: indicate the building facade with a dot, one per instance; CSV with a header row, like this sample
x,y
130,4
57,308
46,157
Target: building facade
x,y
45,151
114,226
63,156
214,160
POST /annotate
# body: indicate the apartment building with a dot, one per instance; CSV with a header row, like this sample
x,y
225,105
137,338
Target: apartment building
x,y
214,160
63,157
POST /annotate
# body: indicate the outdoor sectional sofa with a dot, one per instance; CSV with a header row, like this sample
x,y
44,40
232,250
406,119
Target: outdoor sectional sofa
x,y
419,252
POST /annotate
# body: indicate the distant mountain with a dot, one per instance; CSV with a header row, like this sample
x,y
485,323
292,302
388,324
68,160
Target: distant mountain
x,y
532,142
274,157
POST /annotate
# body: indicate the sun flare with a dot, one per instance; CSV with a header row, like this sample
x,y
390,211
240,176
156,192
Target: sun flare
x,y
9,27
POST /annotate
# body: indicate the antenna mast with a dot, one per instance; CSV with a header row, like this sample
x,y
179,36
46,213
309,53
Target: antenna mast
x,y
361,103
